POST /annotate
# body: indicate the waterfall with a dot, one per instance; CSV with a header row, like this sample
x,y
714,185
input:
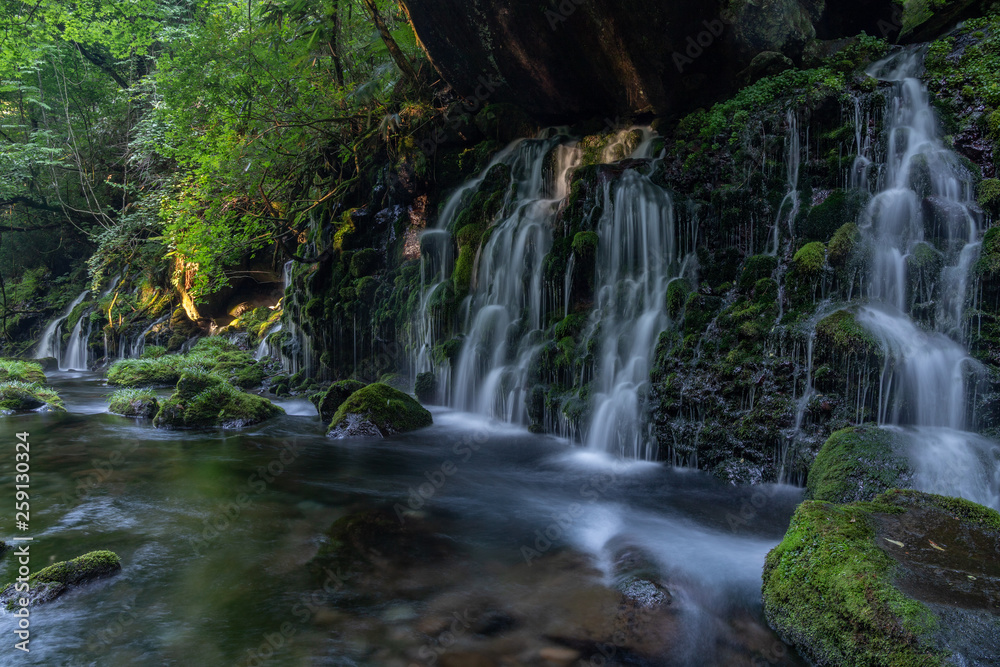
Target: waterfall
x,y
139,344
927,374
506,311
793,158
638,255
51,341
76,356
266,349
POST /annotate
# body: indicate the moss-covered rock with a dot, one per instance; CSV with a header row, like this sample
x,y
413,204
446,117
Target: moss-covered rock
x,y
156,372
859,463
134,403
425,387
203,400
841,333
51,582
757,267
213,354
378,410
328,400
16,396
21,371
897,581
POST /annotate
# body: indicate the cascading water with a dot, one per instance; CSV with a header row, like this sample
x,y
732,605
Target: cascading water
x,y
76,357
51,341
793,158
638,255
266,348
927,374
139,344
506,312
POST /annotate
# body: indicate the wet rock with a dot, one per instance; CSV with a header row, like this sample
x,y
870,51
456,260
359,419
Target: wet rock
x,y
378,410
899,580
48,584
859,463
328,401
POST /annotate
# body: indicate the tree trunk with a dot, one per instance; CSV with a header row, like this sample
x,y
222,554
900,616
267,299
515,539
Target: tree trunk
x,y
397,53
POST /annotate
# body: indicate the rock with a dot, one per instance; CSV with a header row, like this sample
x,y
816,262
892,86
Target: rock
x,y
329,400
582,59
48,584
558,655
425,387
17,396
897,581
859,463
378,409
203,399
134,403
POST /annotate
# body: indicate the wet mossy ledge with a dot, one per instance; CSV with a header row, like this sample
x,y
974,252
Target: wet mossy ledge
x,y
378,410
134,403
22,388
859,463
895,581
51,582
212,355
202,400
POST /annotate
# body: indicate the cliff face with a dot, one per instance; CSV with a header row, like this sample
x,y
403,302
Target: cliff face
x,y
586,57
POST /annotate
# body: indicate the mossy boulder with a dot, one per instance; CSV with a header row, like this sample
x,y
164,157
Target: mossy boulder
x,y
378,410
21,371
51,582
16,396
328,400
134,403
757,267
213,354
908,579
155,372
204,400
859,463
840,333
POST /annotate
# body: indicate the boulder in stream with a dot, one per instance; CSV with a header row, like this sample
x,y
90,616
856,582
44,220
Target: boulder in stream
x,y
329,400
204,399
378,410
51,582
908,579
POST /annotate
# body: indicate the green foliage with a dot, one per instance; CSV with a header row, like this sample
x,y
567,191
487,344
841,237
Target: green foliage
x,y
810,259
17,396
757,267
153,352
21,371
134,403
840,332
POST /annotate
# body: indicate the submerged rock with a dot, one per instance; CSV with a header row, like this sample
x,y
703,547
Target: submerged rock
x,y
859,463
897,581
202,400
378,410
327,402
48,584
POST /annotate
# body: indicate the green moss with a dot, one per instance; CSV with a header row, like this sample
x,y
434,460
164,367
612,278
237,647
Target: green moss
x,y
134,403
203,399
156,372
988,263
213,354
842,244
425,387
965,510
153,352
757,267
840,332
21,371
858,463
364,262
828,590
16,396
88,566
570,326
839,208
677,294
332,397
390,410
585,245
809,259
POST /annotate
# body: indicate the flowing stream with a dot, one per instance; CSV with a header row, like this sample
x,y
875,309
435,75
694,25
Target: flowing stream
x,y
216,530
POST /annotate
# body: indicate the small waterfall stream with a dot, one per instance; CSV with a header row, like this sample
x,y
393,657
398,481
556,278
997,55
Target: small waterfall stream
x,y
927,373
50,343
76,356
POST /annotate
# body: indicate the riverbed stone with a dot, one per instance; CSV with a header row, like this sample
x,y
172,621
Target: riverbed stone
x,y
378,410
896,581
51,582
